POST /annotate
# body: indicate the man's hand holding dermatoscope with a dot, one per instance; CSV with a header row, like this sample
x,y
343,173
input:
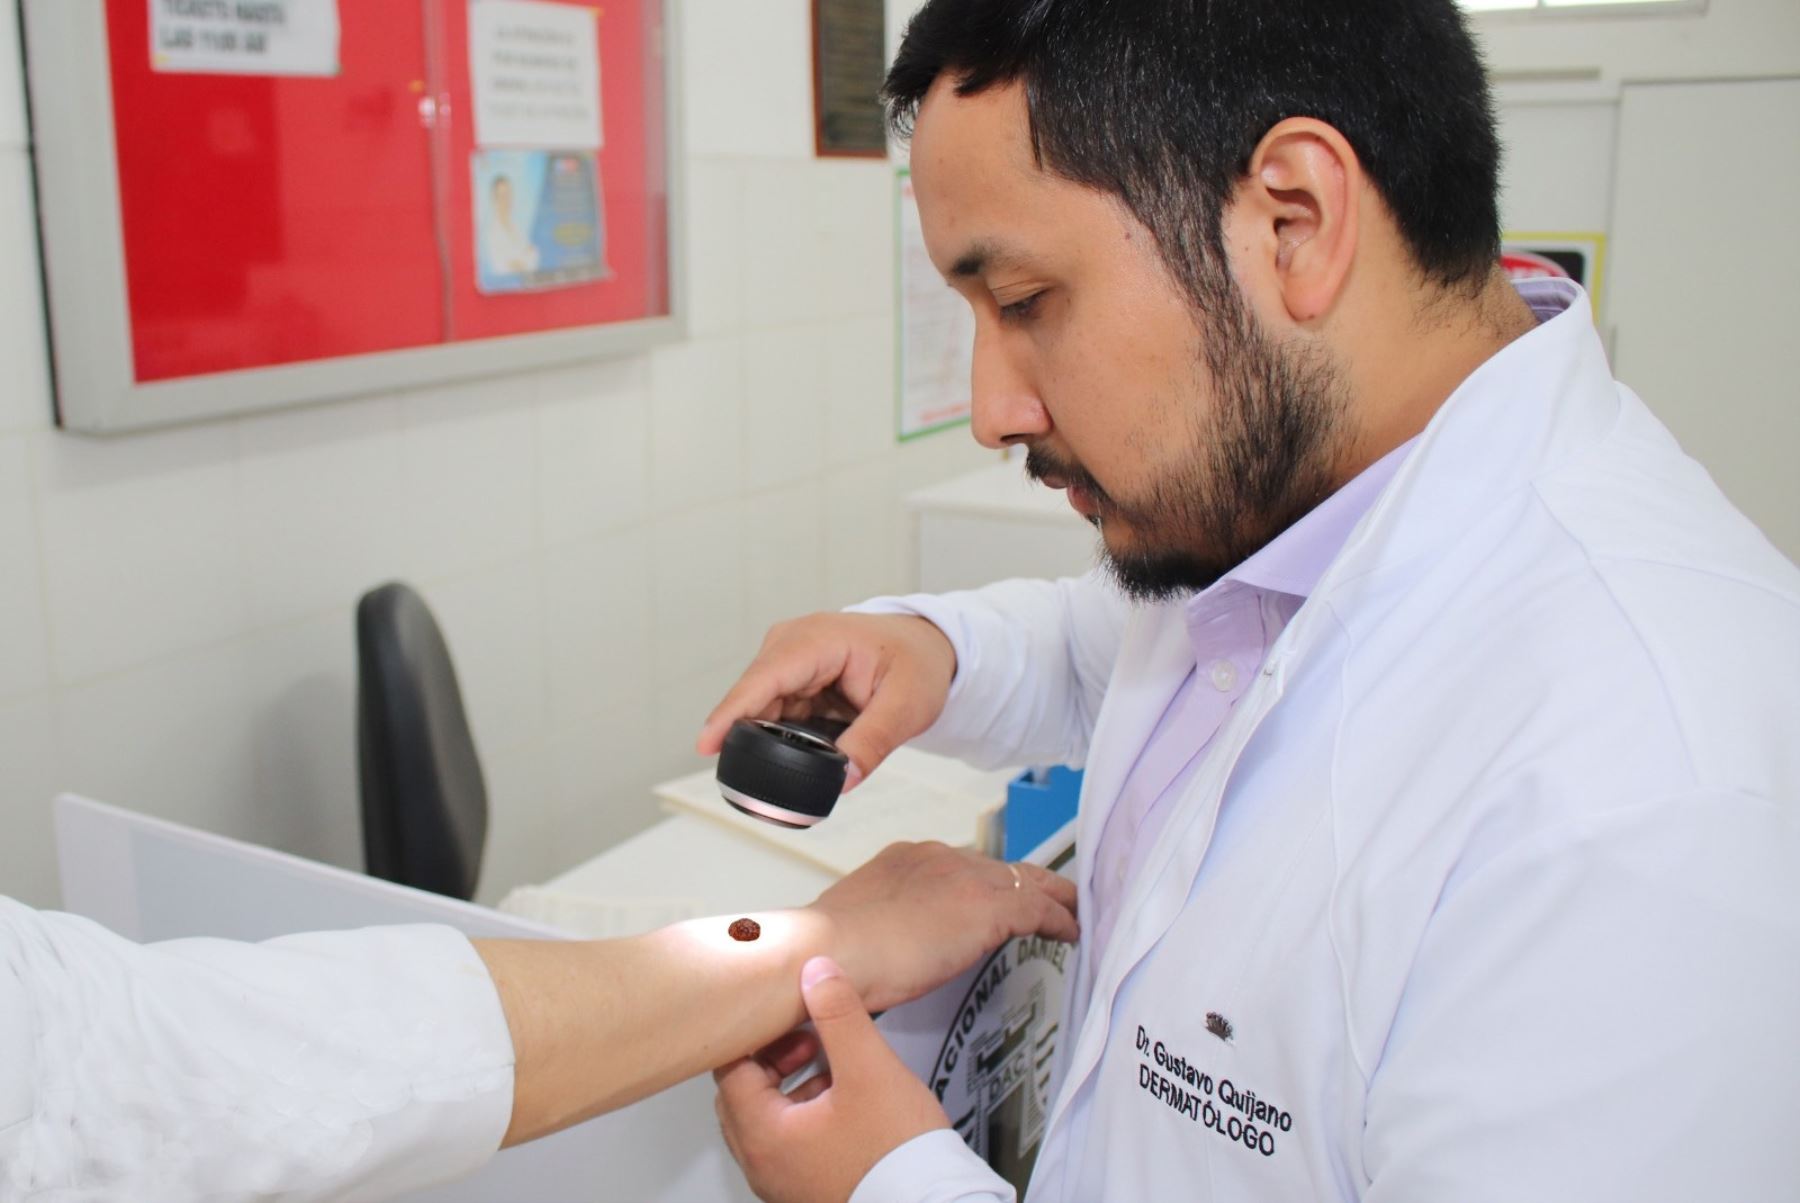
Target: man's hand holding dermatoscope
x,y
918,914
886,675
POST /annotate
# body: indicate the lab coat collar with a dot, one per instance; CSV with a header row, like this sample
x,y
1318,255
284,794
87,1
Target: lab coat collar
x,y
1538,402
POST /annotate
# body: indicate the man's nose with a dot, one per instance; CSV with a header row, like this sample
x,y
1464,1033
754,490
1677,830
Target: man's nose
x,y
1006,407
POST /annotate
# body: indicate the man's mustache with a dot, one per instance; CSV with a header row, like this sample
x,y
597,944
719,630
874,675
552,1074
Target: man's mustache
x,y
1045,468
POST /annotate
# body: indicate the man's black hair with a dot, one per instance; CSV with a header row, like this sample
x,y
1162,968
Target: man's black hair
x,y
1162,103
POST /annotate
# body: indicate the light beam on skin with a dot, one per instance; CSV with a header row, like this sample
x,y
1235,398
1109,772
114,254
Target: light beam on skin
x,y
782,932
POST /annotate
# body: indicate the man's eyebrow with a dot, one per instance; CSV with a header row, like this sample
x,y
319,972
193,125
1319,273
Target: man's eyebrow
x,y
982,257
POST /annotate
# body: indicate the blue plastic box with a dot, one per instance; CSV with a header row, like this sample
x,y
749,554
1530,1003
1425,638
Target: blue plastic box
x,y
1038,803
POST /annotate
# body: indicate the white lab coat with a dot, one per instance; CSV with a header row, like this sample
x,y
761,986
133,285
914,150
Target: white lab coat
x,y
337,1065
1495,870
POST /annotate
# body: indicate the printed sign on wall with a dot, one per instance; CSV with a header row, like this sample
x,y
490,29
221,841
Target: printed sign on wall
x,y
937,330
538,222
536,71
244,37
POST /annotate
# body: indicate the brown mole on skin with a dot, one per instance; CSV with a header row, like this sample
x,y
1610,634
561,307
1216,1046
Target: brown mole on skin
x,y
745,929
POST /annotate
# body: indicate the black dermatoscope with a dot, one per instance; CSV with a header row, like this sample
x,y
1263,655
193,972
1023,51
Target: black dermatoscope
x,y
788,772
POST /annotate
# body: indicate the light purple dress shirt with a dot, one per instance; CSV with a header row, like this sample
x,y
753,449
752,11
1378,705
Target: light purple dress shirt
x,y
1231,626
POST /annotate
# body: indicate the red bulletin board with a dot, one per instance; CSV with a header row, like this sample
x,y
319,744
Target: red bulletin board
x,y
269,221
632,176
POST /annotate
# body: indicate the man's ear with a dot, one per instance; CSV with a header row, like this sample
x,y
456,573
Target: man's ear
x,y
1299,208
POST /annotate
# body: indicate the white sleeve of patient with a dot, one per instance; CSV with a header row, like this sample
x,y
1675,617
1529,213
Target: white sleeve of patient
x,y
338,1065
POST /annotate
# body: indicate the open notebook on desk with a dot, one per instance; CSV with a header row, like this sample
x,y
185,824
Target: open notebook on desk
x,y
598,918
911,796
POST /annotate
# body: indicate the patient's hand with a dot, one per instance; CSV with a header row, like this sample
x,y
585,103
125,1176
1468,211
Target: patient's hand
x,y
919,914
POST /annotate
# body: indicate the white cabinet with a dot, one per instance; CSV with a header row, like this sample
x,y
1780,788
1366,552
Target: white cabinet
x,y
994,524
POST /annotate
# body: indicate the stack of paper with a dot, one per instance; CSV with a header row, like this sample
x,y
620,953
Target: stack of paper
x,y
911,796
598,918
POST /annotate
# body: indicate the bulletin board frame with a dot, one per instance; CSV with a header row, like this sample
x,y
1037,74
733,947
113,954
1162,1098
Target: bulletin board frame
x,y
81,233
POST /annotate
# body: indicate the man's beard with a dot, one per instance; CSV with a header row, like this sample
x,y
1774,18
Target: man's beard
x,y
1258,464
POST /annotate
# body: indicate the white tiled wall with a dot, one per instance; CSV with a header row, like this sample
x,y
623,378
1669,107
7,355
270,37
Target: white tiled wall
x,y
603,544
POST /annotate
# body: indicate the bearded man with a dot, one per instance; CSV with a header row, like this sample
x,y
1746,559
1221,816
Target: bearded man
x,y
1441,719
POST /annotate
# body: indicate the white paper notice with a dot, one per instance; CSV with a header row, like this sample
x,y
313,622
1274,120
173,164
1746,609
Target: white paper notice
x,y
937,333
244,37
536,71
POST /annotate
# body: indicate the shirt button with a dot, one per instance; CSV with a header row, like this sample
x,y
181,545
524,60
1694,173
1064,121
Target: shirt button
x,y
1223,674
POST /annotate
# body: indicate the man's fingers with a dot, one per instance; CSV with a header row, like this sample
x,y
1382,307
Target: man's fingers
x,y
727,1128
1046,905
790,1053
838,1015
877,731
748,1092
749,1096
753,696
897,699
1061,890
745,1079
810,1089
1054,920
759,692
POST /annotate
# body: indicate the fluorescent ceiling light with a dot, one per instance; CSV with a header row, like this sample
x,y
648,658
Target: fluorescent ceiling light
x,y
1494,6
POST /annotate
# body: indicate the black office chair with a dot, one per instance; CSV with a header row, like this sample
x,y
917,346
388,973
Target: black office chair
x,y
424,804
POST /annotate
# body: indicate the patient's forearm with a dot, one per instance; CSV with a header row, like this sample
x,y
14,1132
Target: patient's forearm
x,y
599,1025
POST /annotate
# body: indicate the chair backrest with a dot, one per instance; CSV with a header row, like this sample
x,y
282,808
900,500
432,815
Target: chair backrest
x,y
424,803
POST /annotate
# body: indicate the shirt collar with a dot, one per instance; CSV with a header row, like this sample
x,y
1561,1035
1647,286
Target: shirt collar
x,y
1548,296
1294,560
